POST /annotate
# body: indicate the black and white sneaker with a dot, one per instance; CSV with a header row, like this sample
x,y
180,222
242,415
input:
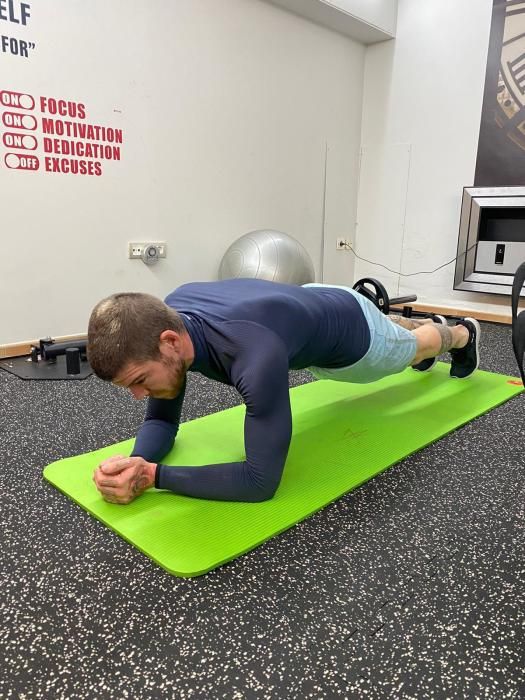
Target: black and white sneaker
x,y
426,365
465,360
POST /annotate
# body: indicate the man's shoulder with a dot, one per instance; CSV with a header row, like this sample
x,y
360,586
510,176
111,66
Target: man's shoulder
x,y
238,288
182,291
242,329
246,341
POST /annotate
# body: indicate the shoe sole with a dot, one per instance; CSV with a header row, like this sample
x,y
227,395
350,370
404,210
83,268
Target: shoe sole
x,y
427,369
442,321
478,333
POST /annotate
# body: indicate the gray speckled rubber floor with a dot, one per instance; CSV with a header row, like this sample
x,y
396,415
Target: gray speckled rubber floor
x,y
412,586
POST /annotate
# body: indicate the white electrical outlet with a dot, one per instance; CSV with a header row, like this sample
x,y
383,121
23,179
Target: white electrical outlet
x,y
342,244
136,249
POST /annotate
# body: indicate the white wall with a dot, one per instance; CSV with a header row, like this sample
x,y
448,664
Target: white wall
x,y
421,115
227,109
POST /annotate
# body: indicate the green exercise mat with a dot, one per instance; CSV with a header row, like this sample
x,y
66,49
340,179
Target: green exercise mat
x,y
343,434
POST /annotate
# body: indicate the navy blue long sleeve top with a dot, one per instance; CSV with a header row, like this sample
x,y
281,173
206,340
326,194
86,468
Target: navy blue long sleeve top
x,y
249,333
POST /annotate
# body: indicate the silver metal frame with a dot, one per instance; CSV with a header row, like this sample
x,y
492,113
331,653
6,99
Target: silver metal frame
x,y
475,199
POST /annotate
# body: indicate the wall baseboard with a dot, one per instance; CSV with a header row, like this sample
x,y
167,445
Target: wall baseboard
x,y
24,347
473,313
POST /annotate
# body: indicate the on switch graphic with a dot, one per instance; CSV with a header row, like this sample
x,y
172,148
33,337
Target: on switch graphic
x,y
27,142
14,120
18,100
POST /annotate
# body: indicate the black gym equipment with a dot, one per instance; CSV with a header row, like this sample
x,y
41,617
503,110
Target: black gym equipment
x,y
373,290
50,360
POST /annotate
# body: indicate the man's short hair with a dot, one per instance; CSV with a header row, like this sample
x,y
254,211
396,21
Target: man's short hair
x,y
126,328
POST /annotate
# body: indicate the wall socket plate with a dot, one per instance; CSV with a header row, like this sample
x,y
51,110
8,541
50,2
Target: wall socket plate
x,y
136,248
343,243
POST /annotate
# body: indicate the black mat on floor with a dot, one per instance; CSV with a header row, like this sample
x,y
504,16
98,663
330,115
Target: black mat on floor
x,y
23,368
413,586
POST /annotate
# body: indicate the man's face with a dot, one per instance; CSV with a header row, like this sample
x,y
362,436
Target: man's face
x,y
160,379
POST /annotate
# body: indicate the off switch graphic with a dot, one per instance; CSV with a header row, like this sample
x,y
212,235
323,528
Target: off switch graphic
x,y
500,253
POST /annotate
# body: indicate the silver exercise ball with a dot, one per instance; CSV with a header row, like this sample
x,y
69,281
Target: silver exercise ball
x,y
267,255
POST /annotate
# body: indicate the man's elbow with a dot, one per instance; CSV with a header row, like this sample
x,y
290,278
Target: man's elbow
x,y
262,492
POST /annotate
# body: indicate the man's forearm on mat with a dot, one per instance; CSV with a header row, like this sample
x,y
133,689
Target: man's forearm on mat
x,y
154,440
156,435
231,481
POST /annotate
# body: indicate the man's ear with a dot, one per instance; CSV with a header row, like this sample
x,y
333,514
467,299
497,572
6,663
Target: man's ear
x,y
169,340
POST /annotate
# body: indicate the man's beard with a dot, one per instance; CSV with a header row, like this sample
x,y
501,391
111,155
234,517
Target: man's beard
x,y
176,375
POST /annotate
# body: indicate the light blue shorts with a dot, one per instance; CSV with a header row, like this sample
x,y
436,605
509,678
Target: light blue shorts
x,y
392,348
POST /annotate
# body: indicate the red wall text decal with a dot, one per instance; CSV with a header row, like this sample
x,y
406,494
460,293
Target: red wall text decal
x,y
58,130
